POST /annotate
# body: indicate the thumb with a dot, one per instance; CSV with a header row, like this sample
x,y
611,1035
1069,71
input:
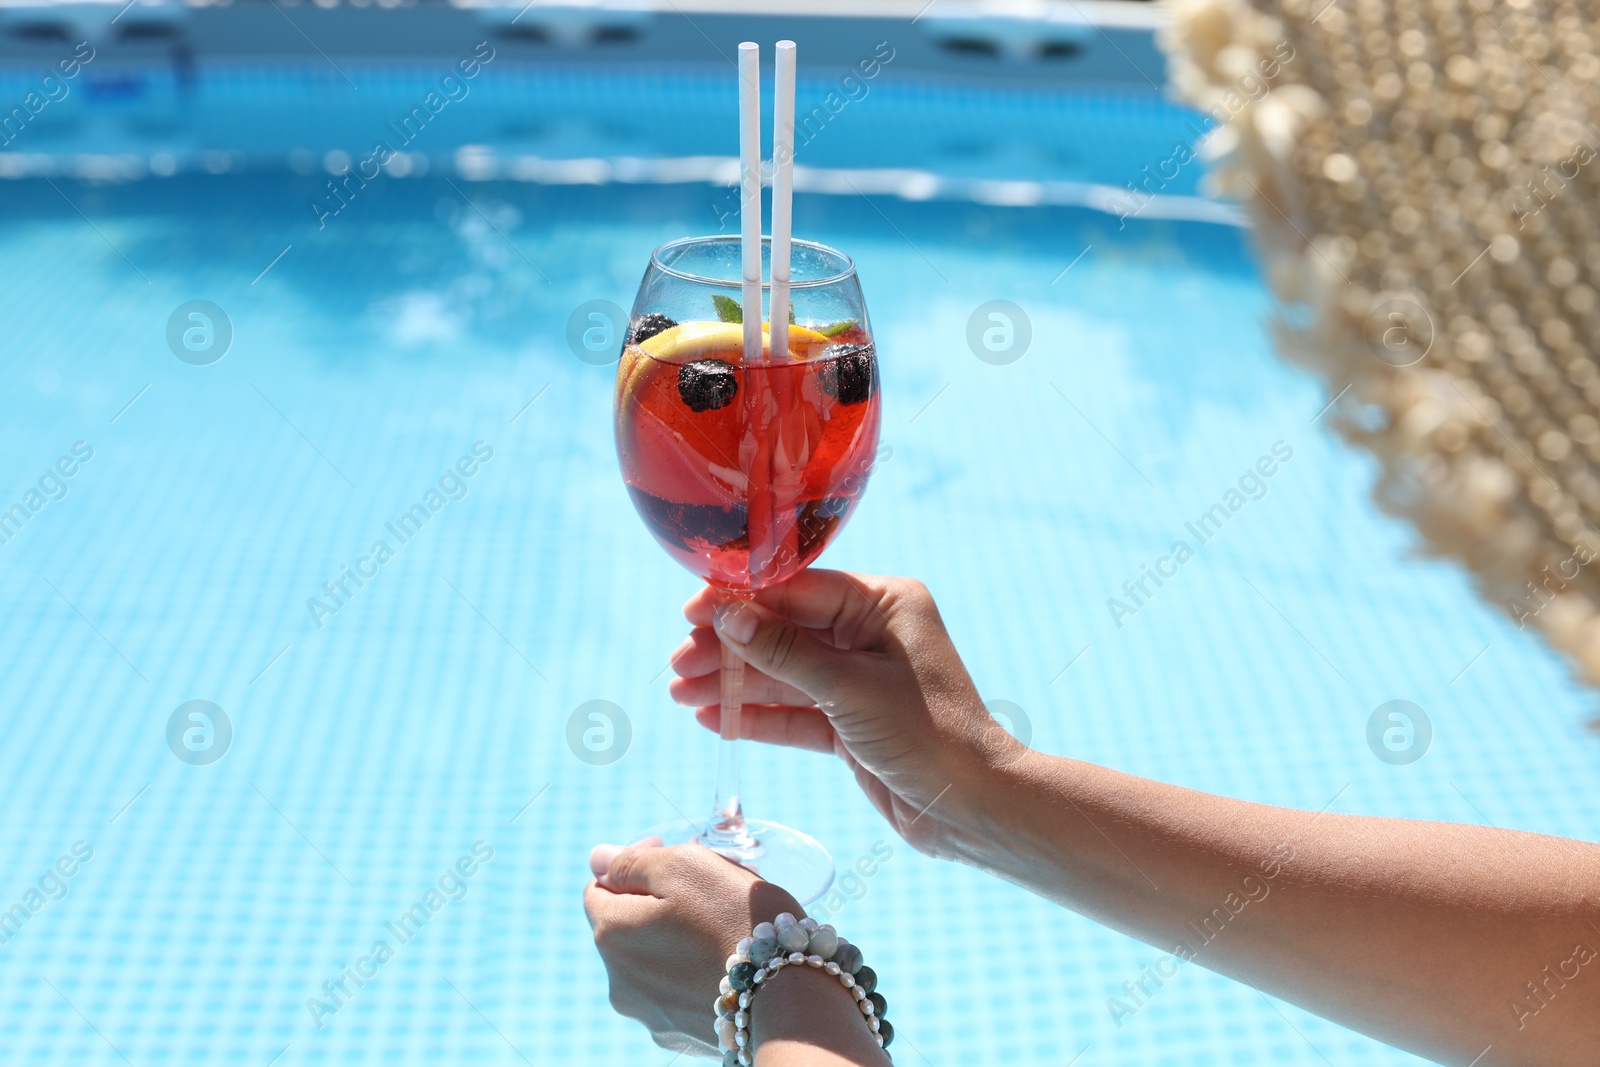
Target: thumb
x,y
635,868
601,856
783,651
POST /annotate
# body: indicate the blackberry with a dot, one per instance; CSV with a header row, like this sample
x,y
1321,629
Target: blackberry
x,y
647,326
707,384
848,373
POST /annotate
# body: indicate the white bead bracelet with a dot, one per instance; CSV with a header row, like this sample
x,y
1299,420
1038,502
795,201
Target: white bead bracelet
x,y
785,942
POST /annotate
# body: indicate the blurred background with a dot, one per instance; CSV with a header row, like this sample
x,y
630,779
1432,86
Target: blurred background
x,y
274,270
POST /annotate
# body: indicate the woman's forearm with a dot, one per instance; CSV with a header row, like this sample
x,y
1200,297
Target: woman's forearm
x,y
804,1018
1462,943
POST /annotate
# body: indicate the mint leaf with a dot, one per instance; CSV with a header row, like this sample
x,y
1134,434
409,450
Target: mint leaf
x,y
728,309
791,314
835,329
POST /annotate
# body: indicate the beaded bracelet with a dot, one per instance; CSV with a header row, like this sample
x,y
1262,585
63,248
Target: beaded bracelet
x,y
785,942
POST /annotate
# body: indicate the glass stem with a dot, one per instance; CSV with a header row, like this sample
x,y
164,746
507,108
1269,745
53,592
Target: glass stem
x,y
726,830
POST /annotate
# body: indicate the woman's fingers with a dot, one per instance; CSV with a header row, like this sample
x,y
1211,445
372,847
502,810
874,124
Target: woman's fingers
x,y
816,599
642,868
700,653
698,664
600,856
758,689
701,608
607,907
794,727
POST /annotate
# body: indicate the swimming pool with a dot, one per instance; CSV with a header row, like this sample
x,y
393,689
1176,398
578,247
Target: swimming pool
x,y
419,719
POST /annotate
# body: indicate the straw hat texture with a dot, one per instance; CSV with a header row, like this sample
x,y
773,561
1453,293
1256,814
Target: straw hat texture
x,y
1423,180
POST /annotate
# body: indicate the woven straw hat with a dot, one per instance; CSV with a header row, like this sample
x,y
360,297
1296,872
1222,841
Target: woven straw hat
x,y
1423,178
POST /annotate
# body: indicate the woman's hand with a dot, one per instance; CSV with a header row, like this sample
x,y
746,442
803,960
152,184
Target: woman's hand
x,y
1378,924
862,667
665,921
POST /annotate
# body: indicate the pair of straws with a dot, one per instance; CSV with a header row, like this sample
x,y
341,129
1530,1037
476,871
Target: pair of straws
x,y
750,195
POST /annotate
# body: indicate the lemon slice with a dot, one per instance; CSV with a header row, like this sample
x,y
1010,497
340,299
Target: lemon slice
x,y
697,340
805,343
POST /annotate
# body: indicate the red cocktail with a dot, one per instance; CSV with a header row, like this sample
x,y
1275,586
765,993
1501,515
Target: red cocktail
x,y
744,473
744,469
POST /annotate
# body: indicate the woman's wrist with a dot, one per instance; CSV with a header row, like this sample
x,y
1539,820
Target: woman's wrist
x,y
805,1018
803,1011
982,805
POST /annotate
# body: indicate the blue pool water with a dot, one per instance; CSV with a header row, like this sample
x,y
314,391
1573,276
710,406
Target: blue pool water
x,y
374,746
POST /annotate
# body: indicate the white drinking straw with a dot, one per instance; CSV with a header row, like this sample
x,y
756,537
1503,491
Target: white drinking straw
x,y
750,194
782,193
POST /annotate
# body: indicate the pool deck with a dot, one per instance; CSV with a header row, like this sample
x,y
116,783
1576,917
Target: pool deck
x,y
1096,41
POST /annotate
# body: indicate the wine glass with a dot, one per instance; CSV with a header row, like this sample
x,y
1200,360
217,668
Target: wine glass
x,y
745,472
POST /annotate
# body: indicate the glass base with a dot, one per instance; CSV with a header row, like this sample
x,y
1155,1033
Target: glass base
x,y
783,856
